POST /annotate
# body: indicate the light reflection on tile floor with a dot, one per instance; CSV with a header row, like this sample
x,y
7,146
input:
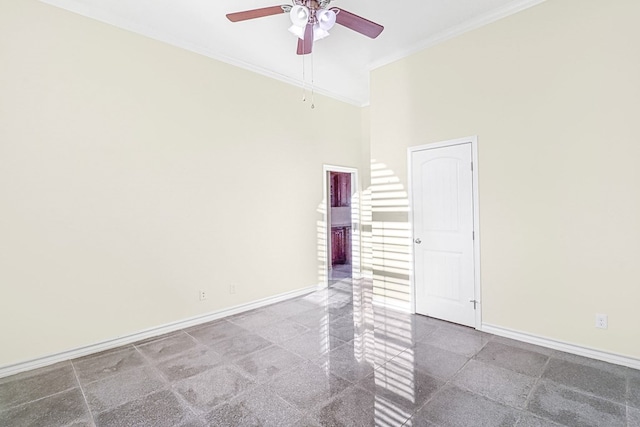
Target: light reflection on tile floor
x,y
326,359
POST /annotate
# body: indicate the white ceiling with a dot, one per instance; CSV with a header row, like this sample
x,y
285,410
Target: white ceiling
x,y
341,62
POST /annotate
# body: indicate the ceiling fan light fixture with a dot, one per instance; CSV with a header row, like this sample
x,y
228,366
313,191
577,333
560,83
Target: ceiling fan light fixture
x,y
299,15
319,33
326,19
297,31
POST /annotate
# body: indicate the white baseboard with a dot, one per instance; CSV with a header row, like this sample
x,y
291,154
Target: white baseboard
x,y
562,346
40,362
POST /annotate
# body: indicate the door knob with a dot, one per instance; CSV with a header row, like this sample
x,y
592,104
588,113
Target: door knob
x,y
418,241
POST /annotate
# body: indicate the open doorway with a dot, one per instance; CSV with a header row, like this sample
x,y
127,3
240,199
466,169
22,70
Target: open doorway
x,y
340,231
343,258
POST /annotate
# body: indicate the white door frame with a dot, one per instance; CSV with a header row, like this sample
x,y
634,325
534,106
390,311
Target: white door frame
x,y
476,217
355,219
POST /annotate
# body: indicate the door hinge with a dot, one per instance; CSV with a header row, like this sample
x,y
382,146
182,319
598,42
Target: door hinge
x,y
471,166
475,303
473,235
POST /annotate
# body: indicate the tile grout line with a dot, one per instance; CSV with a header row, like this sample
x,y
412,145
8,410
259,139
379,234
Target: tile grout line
x,y
534,387
628,399
43,397
491,398
584,392
445,384
309,412
502,368
290,405
150,363
256,384
575,390
225,359
84,396
229,363
521,411
36,400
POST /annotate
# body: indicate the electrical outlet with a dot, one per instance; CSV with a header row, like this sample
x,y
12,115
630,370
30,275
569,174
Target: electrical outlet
x,y
602,321
232,289
203,295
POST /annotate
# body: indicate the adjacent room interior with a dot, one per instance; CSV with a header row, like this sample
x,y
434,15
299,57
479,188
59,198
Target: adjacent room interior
x,y
340,219
149,189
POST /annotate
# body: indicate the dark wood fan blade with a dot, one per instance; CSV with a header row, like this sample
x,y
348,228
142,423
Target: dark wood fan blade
x,y
305,46
358,23
254,13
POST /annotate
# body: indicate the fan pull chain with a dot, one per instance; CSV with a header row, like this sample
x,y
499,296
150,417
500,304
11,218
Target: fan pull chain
x,y
304,81
313,105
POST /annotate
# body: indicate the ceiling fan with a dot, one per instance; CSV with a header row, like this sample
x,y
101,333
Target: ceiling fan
x,y
312,20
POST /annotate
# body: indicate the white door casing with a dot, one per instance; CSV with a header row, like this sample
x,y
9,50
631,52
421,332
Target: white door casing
x,y
442,200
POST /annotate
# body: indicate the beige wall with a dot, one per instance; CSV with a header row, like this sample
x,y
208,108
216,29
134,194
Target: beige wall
x,y
553,95
133,174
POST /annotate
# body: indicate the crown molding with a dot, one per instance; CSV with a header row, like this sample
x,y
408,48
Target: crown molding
x,y
469,25
109,18
118,21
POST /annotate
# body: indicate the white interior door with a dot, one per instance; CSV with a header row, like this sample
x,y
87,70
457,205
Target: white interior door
x,y
442,202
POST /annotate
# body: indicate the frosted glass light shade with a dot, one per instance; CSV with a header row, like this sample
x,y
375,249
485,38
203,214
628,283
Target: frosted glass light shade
x,y
297,31
319,33
299,15
326,19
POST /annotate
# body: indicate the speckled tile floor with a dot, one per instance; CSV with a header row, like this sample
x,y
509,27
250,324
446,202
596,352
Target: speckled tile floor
x,y
329,358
